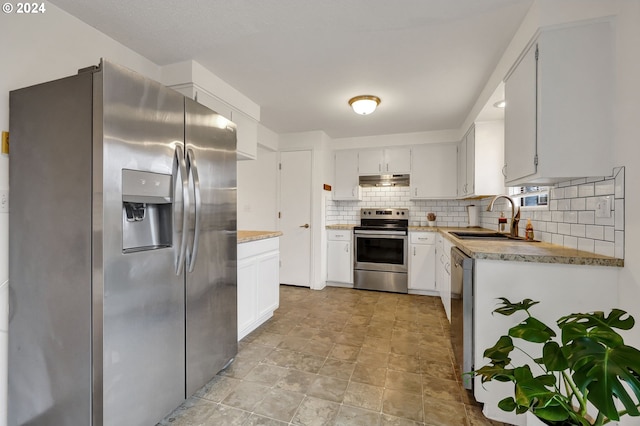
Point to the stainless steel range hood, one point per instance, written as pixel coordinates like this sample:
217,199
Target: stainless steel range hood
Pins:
384,180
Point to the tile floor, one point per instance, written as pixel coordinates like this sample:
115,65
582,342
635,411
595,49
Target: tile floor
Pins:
339,357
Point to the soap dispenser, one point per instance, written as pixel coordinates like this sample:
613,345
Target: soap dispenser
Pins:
502,222
529,230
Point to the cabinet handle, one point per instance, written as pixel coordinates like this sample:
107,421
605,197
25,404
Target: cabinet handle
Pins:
414,251
387,166
379,167
415,191
353,191
504,171
346,248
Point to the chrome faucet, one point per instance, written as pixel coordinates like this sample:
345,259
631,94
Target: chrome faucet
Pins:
515,217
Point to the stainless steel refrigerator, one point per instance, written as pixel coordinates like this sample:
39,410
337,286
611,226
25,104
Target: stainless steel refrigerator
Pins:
122,249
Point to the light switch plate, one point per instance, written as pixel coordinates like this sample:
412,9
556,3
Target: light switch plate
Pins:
603,207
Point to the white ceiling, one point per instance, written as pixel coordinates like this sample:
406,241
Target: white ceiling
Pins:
301,60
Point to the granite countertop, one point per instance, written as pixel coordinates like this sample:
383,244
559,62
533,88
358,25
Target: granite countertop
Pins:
517,251
340,227
246,236
520,251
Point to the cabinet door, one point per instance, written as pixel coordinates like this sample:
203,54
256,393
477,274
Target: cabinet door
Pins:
268,283
422,266
345,186
247,300
462,168
520,118
339,262
470,154
247,134
434,173
397,160
370,162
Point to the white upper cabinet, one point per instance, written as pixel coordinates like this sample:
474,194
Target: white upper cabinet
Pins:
559,106
434,174
247,135
345,185
383,161
480,160
246,127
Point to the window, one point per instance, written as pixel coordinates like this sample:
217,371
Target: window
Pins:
530,196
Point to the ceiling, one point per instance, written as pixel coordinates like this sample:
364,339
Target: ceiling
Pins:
301,60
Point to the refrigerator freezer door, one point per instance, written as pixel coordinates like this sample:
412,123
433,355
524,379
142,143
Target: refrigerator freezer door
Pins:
211,292
142,297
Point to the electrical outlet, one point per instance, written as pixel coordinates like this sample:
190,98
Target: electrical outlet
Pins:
603,207
4,201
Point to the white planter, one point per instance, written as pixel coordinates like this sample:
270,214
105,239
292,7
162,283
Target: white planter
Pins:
431,223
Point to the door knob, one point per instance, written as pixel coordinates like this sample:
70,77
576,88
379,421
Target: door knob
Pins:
306,225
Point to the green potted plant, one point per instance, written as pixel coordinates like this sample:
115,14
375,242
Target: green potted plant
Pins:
590,363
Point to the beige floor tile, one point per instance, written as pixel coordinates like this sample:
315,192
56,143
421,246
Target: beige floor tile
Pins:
352,416
337,368
340,357
369,375
316,412
329,388
279,404
364,396
403,404
345,352
447,390
246,396
444,413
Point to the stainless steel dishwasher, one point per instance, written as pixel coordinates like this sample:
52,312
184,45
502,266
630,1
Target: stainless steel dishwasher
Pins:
462,313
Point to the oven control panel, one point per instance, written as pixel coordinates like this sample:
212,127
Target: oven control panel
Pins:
384,213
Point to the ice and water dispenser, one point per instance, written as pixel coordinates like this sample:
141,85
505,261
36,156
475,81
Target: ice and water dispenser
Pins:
146,211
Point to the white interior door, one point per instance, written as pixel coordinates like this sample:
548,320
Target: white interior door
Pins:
295,218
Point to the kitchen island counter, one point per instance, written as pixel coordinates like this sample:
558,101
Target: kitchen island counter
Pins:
246,236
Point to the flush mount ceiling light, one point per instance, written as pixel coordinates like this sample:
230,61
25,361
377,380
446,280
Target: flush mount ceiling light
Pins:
500,104
364,104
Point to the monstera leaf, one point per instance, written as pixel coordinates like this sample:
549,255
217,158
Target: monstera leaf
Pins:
600,370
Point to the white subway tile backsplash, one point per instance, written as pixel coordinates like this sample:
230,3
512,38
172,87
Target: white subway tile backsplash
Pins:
586,244
571,217
586,217
585,190
606,187
571,192
594,232
604,248
578,204
571,242
570,220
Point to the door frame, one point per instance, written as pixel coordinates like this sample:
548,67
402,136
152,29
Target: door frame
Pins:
312,222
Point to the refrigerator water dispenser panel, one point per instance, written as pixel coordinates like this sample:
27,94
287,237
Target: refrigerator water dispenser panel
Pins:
146,211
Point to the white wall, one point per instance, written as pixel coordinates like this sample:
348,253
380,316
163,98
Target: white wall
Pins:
625,144
35,49
257,192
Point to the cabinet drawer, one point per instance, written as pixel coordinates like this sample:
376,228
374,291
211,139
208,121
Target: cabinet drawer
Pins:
339,235
422,237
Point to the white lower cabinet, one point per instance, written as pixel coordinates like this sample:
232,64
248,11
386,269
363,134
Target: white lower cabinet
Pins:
339,256
443,272
258,283
422,255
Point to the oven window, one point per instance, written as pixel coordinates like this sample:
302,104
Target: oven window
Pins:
380,250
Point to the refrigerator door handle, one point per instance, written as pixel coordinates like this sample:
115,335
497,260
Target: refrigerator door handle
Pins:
193,174
181,186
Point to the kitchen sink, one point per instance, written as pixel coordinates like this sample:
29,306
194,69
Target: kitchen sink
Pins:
488,236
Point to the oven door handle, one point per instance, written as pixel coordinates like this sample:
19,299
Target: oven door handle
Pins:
364,232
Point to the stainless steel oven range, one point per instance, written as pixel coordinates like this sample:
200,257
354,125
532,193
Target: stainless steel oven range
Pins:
381,248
